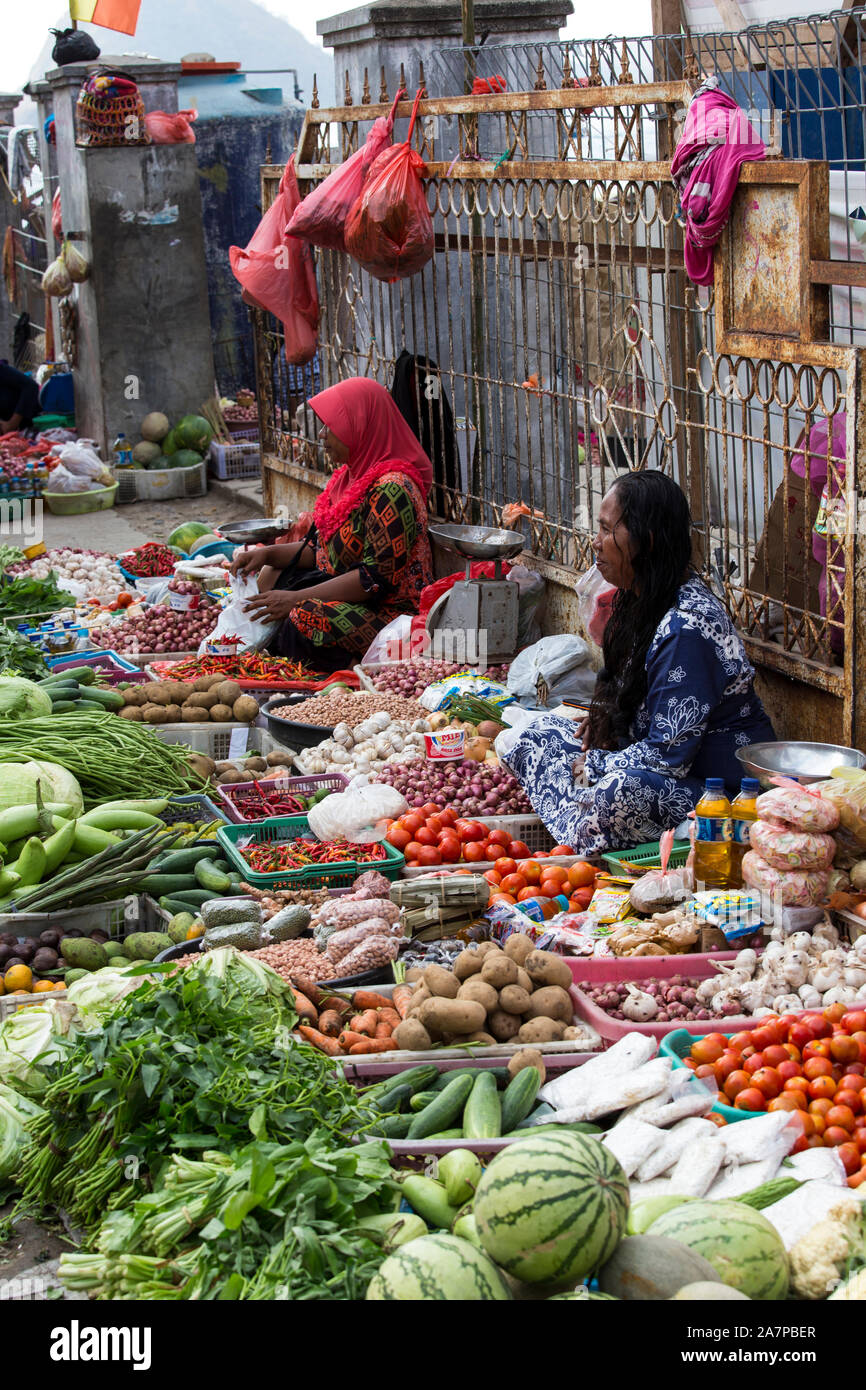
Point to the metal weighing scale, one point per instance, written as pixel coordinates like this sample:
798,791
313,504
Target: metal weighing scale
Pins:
476,606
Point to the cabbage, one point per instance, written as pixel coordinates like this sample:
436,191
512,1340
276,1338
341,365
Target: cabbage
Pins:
16,1112
18,785
249,986
28,1042
97,995
22,699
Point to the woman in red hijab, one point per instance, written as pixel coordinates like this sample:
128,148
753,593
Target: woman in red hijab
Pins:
367,552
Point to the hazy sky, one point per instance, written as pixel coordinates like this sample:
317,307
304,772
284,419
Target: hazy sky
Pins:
25,27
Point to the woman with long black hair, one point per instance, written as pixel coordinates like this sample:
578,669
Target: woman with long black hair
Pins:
673,701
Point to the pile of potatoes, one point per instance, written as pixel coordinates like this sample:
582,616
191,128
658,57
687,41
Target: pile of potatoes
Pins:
516,994
188,702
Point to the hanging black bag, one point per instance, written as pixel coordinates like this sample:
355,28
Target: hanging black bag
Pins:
73,46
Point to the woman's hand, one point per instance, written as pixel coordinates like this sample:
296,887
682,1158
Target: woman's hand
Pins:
577,769
583,733
250,559
273,606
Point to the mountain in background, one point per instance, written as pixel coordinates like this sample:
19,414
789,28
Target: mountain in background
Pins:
231,30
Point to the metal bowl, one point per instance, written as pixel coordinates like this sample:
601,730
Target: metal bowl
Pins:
262,530
804,762
479,542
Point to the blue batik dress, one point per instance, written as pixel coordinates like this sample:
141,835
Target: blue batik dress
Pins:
700,707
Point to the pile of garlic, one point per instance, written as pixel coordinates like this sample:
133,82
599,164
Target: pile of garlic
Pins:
808,970
367,747
85,573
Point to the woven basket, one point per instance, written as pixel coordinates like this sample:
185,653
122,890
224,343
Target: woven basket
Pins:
110,120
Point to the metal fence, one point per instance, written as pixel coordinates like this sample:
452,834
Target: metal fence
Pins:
570,344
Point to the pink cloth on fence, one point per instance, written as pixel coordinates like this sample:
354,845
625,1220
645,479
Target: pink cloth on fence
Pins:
828,484
716,140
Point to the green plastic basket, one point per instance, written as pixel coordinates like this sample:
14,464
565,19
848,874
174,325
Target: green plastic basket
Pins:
677,1045
314,876
646,856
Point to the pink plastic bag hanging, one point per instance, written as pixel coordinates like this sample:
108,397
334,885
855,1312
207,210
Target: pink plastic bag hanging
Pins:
321,217
389,230
277,273
171,127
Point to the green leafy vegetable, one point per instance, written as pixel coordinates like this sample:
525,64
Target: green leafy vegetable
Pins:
18,656
10,555
28,595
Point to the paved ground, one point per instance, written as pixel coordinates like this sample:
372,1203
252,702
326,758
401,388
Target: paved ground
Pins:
121,528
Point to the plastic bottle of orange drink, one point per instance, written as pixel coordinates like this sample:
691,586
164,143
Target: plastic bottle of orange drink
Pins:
713,837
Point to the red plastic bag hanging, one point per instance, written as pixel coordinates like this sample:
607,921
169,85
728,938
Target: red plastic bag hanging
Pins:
321,218
389,230
277,273
171,127
56,217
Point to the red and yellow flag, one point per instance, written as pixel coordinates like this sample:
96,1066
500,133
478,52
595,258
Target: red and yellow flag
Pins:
121,15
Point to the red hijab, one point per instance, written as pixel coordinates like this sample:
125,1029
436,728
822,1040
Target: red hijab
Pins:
364,417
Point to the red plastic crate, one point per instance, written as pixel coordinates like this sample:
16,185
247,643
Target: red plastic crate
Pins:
335,781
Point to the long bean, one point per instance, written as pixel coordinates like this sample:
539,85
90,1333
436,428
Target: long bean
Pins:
109,757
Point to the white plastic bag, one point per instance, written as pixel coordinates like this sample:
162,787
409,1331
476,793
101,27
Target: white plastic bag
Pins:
532,591
390,643
436,695
517,719
361,816
81,460
560,663
594,597
234,622
64,481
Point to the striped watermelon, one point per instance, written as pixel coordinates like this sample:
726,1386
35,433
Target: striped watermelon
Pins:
744,1248
438,1267
583,1295
553,1208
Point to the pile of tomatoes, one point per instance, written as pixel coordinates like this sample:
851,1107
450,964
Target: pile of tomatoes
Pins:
813,1064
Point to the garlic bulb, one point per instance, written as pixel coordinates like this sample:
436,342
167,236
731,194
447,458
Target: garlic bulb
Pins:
784,1003
855,976
639,1007
810,997
842,994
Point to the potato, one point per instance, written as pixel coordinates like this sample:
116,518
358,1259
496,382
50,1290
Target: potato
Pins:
441,982
416,973
172,714
191,714
153,714
233,776
134,696
220,714
541,1030
502,1025
255,764
201,764
280,760
527,1057
202,699
484,946
551,1002
499,970
203,683
225,766
546,969
514,1000
480,1037
178,691
460,1016
156,692
468,963
213,682
523,980
419,997
571,1034
481,992
227,692
245,709
134,712
518,947
412,1035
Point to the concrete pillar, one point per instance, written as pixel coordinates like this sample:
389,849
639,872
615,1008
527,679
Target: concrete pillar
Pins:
8,103
144,335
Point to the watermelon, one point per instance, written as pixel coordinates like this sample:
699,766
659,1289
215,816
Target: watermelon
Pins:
169,444
583,1295
744,1248
147,453
553,1208
438,1267
185,536
193,432
184,458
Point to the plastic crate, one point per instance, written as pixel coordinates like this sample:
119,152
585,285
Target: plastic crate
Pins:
164,484
332,781
108,661
240,459
213,740
116,918
11,1003
646,857
595,970
676,1046
199,807
126,490
340,875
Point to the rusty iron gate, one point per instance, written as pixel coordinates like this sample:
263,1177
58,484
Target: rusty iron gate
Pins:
570,344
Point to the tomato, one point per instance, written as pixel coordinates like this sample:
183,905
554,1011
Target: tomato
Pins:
739,1041
518,850
505,866
766,1034
531,870
822,1088
817,1025
412,822
436,824
788,1070
582,897
750,1099
860,1139
793,1052
817,1066
768,1082
398,838
556,872
850,1156
853,1100
834,1135
528,893
715,1119
841,1115
581,874
820,1107
473,852
775,1055
542,854
834,1013
448,816
818,1047
413,850
705,1071
792,1101
854,1021
425,836
449,848
861,1038
561,849
502,898
512,883
429,855
852,1081
491,852
799,1035
858,1179
687,1062
493,878
806,1122
709,1048
855,1069
499,837
753,1063
462,871
797,1083
728,1062
472,831
430,808
737,1081
800,1144
844,1049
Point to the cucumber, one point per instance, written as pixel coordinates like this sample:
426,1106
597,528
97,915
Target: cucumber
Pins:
443,1110
421,1100
192,899
394,1100
92,705
446,1077
82,675
446,1134
769,1192
176,905
519,1098
180,861
208,876
482,1118
109,698
392,1127
158,884
64,706
427,1197
419,1078
539,1113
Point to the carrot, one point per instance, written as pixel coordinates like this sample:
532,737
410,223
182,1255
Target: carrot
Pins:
305,1008
365,1022
368,999
307,987
328,1045
330,1022
373,1045
383,1030
348,1039
401,999
333,1001
389,1016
